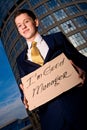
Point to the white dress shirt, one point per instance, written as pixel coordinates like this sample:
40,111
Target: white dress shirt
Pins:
41,45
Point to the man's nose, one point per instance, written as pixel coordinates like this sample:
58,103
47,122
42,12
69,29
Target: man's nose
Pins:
23,26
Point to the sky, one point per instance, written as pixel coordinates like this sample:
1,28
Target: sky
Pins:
11,106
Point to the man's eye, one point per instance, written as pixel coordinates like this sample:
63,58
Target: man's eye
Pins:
26,21
19,26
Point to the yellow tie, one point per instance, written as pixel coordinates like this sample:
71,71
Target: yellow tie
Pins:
35,54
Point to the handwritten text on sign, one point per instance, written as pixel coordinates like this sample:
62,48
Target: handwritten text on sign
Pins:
49,81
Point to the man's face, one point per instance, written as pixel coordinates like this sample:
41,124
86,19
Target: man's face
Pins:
26,26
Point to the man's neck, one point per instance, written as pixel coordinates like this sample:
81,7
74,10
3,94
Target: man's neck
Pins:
32,38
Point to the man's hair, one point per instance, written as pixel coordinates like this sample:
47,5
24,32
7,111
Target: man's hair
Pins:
22,11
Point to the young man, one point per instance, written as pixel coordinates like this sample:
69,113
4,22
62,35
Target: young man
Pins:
67,111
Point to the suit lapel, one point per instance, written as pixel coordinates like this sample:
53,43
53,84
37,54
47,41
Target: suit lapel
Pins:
50,43
24,57
52,53
54,50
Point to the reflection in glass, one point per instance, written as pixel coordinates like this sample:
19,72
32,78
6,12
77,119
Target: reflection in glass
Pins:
59,15
71,10
77,39
47,21
68,26
52,4
80,21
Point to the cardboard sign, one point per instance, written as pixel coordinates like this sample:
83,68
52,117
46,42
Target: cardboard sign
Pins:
49,81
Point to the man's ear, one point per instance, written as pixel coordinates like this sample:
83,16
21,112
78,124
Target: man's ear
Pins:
37,22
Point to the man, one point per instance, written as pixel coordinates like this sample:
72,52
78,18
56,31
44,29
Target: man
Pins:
67,111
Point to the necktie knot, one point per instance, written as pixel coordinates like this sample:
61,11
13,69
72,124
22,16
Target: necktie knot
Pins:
35,54
34,44
34,49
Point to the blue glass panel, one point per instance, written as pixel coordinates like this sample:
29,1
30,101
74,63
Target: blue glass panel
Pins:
34,2
60,14
53,30
40,10
25,6
77,39
65,1
85,33
72,10
52,4
47,21
83,6
68,26
80,21
84,51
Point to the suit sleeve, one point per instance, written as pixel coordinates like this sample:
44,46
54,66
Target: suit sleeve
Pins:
20,73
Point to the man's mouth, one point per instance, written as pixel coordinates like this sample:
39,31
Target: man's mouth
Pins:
26,31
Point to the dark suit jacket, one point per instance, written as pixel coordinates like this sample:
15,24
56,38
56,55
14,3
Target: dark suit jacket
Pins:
66,112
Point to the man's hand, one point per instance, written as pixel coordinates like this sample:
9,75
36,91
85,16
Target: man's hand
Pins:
25,100
82,74
22,87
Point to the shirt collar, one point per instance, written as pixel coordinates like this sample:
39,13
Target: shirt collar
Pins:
37,39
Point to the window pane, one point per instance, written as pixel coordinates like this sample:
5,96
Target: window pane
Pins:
72,10
9,25
80,21
77,39
40,28
83,6
53,30
13,35
47,21
40,10
5,33
8,44
17,46
34,2
65,1
59,15
24,6
68,26
84,51
85,33
52,4
13,54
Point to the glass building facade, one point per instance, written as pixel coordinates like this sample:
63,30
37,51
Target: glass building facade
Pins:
68,16
17,124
